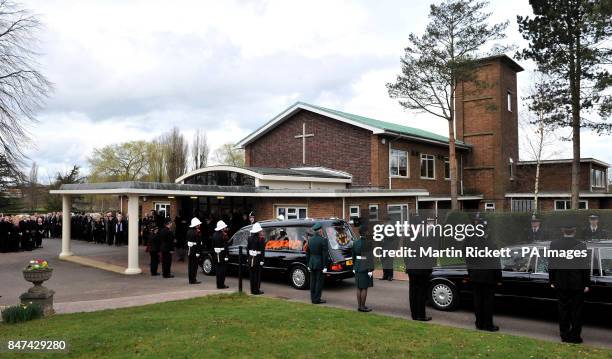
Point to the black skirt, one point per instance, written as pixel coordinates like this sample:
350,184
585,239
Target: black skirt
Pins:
363,280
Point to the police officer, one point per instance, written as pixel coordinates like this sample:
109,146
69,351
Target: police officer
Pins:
167,247
256,247
194,246
484,275
219,242
536,233
571,279
419,270
594,231
155,243
363,266
317,258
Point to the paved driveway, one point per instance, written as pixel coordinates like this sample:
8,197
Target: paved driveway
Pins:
76,283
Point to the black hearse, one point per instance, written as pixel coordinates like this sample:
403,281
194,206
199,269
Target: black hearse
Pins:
524,277
285,253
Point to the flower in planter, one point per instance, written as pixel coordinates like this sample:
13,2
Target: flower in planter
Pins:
37,264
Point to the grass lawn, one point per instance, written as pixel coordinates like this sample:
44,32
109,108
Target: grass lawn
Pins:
227,326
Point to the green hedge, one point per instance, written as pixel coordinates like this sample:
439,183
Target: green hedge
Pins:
508,228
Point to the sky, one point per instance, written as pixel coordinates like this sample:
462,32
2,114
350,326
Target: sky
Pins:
131,70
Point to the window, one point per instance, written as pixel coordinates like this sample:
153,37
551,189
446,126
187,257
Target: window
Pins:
240,238
283,239
509,100
163,209
522,205
398,164
563,204
428,164
397,213
489,206
511,168
353,212
605,256
598,178
516,262
291,212
446,168
373,212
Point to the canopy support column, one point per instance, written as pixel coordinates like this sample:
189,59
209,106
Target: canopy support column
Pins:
133,267
66,219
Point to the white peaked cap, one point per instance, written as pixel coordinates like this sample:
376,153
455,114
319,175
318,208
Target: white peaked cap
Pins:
220,226
256,228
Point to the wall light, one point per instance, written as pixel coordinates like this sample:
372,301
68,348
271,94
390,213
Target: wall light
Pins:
220,197
171,197
194,197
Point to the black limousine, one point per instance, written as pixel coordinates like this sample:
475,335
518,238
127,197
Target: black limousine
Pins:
285,253
524,277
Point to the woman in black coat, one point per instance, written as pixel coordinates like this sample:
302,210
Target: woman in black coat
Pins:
39,232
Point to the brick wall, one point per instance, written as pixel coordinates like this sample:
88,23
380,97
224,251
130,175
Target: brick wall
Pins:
335,145
553,177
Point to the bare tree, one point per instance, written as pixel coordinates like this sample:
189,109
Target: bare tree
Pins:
199,150
538,136
23,88
32,186
155,155
176,151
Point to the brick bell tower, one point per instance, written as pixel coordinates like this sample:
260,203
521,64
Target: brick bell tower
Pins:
487,119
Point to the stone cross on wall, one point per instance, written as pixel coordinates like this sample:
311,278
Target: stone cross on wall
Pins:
303,137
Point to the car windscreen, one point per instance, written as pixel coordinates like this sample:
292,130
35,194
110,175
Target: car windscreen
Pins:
605,256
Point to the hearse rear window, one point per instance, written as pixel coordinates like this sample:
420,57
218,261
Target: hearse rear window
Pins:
285,238
340,236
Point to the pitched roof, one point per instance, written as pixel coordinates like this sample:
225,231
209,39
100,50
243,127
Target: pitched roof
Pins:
376,126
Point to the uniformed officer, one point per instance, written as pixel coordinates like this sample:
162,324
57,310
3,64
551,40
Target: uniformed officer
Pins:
363,266
194,246
484,274
155,244
220,242
166,238
594,231
256,247
571,279
419,270
317,257
536,233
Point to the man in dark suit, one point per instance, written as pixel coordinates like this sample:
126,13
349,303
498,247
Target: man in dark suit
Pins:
317,257
536,233
109,228
154,252
121,229
220,243
571,279
419,270
484,274
256,249
594,231
166,238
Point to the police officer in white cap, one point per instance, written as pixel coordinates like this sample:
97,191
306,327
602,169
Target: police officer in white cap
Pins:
219,242
194,247
256,248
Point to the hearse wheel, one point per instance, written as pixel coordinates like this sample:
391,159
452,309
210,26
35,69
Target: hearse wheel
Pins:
443,296
299,277
208,267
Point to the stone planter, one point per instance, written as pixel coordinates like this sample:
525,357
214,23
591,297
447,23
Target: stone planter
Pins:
39,294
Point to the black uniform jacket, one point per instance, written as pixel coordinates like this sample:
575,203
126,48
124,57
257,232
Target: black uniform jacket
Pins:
256,250
569,274
196,243
482,270
219,244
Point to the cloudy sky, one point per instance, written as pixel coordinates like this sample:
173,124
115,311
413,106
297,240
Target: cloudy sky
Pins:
130,70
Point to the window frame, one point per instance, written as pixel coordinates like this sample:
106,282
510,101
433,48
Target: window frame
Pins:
286,208
167,208
370,206
447,161
568,204
486,204
351,208
427,157
392,153
509,101
594,178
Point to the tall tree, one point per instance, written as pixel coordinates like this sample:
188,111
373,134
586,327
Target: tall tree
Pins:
9,177
569,40
23,88
437,61
120,162
539,138
156,163
32,186
176,152
54,202
227,154
199,150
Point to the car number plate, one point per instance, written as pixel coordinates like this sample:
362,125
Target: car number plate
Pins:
349,263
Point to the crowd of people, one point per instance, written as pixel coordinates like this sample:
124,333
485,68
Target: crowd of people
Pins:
26,232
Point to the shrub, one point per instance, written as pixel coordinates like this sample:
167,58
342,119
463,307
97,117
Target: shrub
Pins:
22,313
